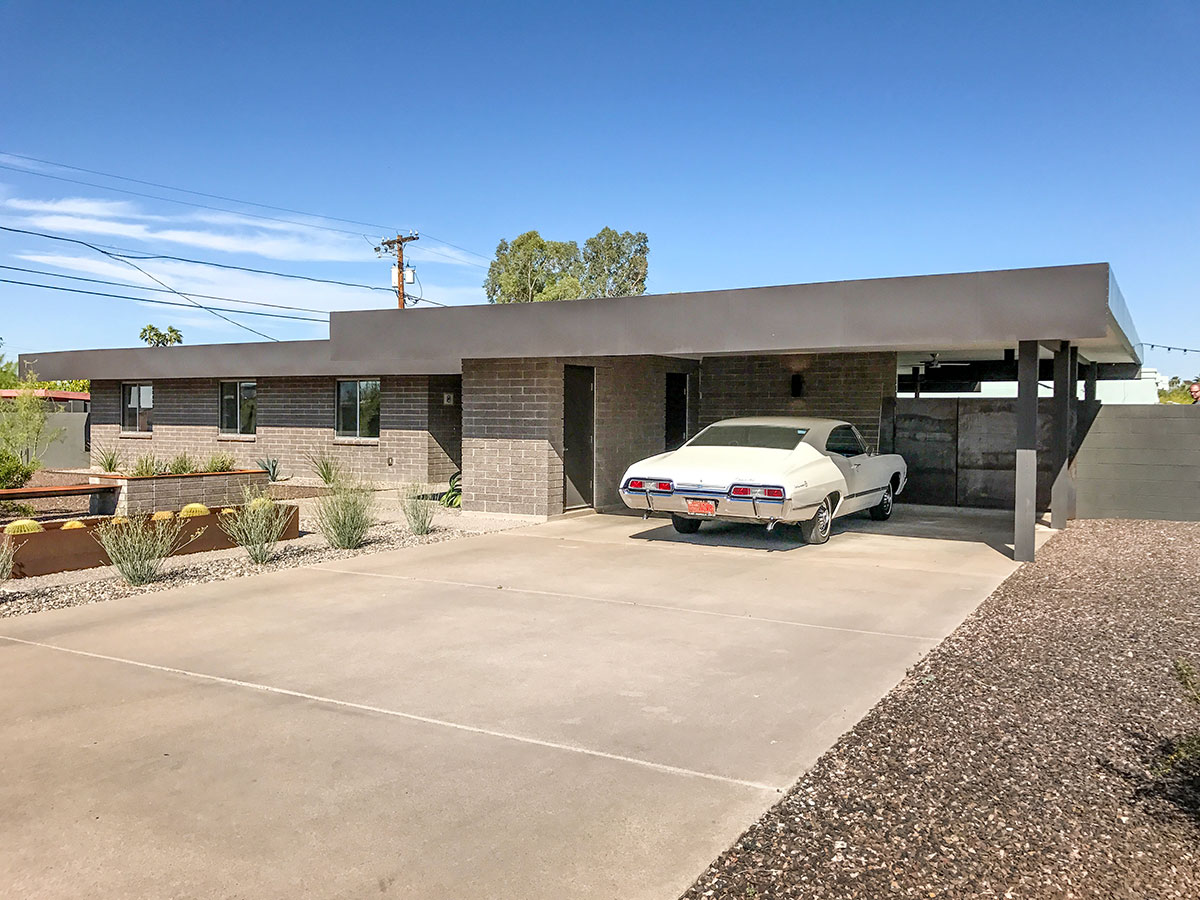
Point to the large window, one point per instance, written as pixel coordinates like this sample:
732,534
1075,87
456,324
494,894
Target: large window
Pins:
137,407
358,409
845,440
766,437
239,407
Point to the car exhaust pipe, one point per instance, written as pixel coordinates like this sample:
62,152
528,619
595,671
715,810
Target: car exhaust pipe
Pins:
771,525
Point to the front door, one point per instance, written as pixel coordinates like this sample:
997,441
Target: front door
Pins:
579,436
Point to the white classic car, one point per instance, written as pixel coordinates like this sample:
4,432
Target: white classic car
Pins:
768,469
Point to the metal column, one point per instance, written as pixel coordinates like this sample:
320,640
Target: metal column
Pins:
1062,493
1089,383
1025,506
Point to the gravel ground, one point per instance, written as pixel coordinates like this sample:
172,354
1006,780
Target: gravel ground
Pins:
22,596
1018,759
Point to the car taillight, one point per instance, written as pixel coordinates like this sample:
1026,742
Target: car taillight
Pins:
773,493
665,486
739,492
636,484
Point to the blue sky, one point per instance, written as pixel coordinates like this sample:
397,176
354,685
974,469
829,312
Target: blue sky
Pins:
755,144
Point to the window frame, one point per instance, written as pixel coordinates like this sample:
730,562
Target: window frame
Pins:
137,428
238,385
356,435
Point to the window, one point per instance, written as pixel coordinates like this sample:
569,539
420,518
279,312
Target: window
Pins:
358,409
137,407
767,437
845,440
239,407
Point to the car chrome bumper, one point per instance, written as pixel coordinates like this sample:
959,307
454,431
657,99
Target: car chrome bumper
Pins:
727,508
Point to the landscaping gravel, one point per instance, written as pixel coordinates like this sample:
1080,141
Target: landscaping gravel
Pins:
1020,757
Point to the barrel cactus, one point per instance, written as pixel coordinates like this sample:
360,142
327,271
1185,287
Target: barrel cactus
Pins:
163,514
23,526
71,525
193,509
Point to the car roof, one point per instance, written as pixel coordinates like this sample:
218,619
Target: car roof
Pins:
818,429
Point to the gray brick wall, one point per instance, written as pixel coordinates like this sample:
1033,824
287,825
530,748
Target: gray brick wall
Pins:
849,386
295,419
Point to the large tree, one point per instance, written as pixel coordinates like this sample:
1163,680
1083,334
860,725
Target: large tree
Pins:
531,268
614,265
8,371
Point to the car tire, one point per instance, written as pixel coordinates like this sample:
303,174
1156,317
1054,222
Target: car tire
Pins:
685,525
817,529
882,510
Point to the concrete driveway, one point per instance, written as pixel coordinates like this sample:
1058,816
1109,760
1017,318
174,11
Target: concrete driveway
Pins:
594,707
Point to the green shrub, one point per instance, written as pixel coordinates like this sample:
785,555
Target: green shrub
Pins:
14,473
221,462
1187,749
138,546
452,499
182,464
344,516
109,459
418,509
257,526
326,467
8,550
272,467
146,465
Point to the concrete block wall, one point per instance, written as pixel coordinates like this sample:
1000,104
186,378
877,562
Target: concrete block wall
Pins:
849,386
140,496
295,418
1140,462
513,428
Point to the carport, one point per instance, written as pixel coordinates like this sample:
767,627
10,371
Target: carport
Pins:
558,398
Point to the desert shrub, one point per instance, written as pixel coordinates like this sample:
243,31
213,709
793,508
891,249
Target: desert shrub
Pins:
138,546
221,462
145,466
453,496
1186,750
272,467
194,509
110,459
418,509
326,467
182,464
344,516
257,526
8,550
14,472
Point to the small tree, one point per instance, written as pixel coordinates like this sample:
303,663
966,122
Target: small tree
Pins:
155,338
8,371
23,428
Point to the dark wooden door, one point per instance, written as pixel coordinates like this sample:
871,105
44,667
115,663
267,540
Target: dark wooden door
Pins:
677,409
579,436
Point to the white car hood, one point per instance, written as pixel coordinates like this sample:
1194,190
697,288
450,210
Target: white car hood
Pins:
717,468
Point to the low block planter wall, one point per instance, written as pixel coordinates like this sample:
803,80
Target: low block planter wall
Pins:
55,550
135,496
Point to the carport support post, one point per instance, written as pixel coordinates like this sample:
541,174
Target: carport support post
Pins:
1063,490
1025,507
1089,383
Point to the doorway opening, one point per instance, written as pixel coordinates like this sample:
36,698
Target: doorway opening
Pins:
579,436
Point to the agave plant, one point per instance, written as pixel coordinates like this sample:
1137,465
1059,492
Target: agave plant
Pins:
453,496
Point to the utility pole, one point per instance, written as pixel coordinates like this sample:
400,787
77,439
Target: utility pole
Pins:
397,243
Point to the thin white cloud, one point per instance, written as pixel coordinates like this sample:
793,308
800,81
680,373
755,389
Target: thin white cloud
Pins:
81,206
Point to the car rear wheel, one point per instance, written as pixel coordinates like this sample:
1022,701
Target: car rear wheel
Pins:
817,529
685,526
883,509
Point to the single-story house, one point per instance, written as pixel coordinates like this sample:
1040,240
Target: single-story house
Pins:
542,406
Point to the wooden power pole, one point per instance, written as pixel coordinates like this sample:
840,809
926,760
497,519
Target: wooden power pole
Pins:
397,243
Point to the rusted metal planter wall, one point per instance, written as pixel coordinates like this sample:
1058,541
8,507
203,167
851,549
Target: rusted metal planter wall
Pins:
56,550
154,493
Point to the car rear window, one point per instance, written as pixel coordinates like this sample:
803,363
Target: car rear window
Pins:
766,437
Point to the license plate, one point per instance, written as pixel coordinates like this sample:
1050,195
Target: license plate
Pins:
702,507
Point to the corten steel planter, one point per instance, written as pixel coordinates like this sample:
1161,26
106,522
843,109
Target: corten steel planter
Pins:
147,494
56,550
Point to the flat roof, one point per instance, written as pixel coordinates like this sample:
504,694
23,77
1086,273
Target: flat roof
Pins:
972,312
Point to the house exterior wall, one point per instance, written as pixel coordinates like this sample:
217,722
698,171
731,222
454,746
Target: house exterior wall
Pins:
513,428
295,418
849,386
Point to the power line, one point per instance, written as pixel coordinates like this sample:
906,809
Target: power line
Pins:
68,240
126,254
237,200
1184,350
139,287
241,312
